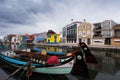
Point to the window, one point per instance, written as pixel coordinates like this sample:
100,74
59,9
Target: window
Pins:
88,32
117,40
84,27
80,33
84,33
49,36
98,41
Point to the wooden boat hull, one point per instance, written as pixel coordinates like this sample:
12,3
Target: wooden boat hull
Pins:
74,63
65,68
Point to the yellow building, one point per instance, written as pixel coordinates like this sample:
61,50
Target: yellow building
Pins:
53,38
53,49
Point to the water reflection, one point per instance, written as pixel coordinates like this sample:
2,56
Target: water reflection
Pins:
16,46
108,67
54,49
108,64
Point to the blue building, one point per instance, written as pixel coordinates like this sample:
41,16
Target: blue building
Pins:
40,37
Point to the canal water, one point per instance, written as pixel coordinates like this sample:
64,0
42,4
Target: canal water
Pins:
108,67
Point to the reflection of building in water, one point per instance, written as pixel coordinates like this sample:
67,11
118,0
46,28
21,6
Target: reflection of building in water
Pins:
108,65
53,49
93,67
117,63
93,72
14,46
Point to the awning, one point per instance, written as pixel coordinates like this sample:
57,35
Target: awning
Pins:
40,39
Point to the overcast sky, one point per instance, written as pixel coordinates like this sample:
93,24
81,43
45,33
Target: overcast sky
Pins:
35,16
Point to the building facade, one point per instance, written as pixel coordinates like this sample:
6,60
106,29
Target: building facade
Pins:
53,38
103,32
85,32
97,34
70,33
115,40
29,38
64,36
40,37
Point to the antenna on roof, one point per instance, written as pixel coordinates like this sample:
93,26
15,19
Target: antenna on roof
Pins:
71,19
84,20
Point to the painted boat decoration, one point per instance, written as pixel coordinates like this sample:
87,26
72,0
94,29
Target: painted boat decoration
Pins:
41,63
73,62
89,57
80,66
35,49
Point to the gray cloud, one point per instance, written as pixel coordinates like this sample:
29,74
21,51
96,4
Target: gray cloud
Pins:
22,11
40,15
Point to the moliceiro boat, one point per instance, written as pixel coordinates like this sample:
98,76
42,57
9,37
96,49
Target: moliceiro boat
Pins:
48,64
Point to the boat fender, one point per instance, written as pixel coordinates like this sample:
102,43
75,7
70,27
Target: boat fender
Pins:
29,71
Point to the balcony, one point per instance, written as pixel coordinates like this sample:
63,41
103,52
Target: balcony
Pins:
97,28
97,35
116,27
116,36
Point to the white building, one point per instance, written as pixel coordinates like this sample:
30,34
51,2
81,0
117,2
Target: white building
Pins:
70,33
85,32
103,32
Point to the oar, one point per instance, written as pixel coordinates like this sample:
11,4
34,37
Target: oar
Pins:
16,71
